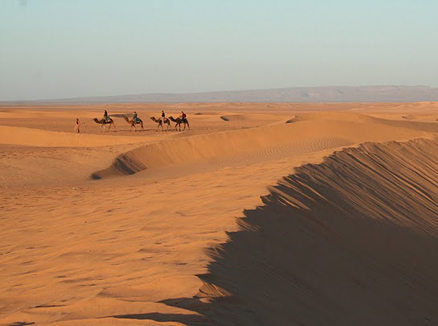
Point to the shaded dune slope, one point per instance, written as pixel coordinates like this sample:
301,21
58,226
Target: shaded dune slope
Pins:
350,241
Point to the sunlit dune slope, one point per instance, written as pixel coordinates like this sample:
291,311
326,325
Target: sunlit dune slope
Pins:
361,118
36,137
307,133
351,241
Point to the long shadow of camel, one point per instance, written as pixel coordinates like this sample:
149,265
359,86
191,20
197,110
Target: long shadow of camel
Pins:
351,241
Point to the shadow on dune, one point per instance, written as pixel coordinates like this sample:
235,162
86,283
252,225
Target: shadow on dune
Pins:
187,319
120,166
351,241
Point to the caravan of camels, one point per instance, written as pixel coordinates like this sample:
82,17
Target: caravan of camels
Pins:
182,119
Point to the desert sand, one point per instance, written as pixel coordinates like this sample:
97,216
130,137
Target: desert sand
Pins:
260,214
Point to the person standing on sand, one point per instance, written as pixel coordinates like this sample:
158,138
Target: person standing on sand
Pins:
78,126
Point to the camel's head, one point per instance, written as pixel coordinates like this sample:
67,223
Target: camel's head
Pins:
95,120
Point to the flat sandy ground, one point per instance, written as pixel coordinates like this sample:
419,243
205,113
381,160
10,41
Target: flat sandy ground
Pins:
260,214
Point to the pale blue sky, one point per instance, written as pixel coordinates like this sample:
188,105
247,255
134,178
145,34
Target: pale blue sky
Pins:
69,48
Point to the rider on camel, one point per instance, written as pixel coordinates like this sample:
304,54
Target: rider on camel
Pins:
105,116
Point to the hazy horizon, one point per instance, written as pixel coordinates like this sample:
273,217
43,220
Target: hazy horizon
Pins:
67,49
329,94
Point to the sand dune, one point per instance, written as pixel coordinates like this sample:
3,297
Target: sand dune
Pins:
308,133
346,237
362,118
351,241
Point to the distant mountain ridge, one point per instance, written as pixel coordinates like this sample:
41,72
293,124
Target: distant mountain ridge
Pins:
384,93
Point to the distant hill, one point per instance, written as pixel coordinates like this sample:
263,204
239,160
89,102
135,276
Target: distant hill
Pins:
279,95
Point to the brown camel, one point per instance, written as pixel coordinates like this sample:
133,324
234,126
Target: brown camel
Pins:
103,122
133,123
160,122
178,122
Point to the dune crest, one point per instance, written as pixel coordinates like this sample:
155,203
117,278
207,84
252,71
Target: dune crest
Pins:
304,133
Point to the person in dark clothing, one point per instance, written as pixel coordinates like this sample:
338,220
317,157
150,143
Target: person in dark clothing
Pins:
105,116
78,126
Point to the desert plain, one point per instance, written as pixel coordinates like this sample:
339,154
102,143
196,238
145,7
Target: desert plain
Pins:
260,214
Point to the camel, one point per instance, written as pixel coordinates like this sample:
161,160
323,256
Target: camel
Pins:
178,122
160,122
102,122
133,123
